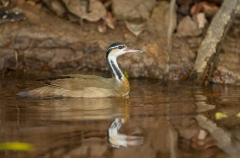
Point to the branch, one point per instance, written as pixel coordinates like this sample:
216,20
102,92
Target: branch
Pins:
211,42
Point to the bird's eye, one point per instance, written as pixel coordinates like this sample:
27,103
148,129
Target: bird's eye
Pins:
120,47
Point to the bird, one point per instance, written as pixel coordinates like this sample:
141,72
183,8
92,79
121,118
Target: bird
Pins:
88,86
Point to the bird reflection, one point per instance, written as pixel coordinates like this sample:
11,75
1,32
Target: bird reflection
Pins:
118,140
83,109
93,110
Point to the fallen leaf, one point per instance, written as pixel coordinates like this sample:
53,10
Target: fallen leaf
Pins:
17,146
96,11
108,19
209,9
201,20
188,27
58,8
5,3
76,7
135,27
132,9
102,28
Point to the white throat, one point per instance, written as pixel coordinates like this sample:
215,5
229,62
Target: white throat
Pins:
116,72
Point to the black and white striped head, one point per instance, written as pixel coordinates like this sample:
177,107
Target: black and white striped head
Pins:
117,49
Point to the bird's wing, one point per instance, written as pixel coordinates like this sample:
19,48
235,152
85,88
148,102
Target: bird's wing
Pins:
79,82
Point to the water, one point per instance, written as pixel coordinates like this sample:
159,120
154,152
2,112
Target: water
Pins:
177,120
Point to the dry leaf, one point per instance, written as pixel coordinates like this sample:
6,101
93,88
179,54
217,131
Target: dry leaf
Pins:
58,8
135,27
76,7
209,9
5,3
132,9
102,28
201,20
108,19
188,27
97,11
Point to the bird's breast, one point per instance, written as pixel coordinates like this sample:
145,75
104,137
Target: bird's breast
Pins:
124,88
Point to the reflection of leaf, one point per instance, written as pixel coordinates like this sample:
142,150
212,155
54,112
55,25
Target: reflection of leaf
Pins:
238,114
19,146
220,115
135,27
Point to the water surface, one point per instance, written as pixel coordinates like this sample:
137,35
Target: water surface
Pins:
175,120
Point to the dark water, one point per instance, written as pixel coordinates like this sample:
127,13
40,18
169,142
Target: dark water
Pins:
177,120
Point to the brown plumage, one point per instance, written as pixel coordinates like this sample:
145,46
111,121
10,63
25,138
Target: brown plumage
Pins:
88,86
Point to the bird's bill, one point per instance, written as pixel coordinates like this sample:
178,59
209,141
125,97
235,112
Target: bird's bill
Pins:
130,49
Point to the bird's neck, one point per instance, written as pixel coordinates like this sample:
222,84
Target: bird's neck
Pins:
116,72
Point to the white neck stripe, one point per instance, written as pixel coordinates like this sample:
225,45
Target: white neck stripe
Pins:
115,69
112,47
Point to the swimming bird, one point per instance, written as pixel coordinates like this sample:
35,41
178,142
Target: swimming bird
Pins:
88,86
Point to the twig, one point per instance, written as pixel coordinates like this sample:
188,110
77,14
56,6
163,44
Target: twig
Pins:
16,58
169,38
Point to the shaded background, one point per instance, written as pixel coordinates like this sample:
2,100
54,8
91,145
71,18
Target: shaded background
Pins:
55,34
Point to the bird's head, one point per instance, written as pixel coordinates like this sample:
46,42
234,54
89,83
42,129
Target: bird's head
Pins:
117,49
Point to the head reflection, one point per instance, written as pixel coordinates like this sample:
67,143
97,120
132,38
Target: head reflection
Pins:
118,140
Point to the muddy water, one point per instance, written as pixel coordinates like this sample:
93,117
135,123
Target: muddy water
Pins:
177,120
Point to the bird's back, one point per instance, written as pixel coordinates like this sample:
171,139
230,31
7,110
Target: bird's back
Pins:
76,85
